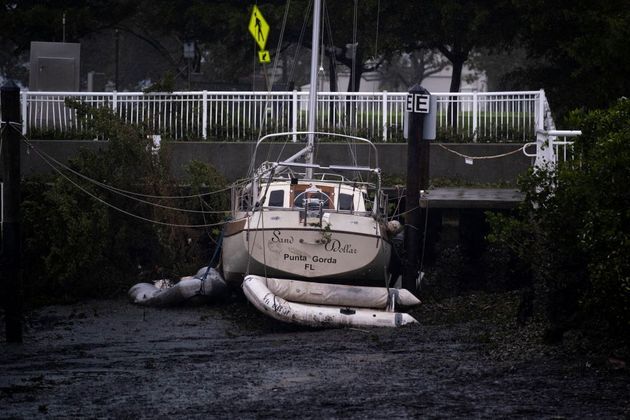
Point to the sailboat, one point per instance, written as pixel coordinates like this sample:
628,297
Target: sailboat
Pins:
309,244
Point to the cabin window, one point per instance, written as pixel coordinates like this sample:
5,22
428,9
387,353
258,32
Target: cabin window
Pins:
276,198
346,202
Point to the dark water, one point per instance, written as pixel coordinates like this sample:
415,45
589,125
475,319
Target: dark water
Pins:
115,360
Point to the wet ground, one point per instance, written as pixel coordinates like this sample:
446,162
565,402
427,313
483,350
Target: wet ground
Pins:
116,360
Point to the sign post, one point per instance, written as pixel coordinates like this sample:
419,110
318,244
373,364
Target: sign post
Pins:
418,131
11,285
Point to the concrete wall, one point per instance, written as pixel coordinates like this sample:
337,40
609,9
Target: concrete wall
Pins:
232,159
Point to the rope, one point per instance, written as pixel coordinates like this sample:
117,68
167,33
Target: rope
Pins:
520,149
378,17
95,197
119,191
424,237
210,264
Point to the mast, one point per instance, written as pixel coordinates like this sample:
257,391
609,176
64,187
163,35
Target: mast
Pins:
312,96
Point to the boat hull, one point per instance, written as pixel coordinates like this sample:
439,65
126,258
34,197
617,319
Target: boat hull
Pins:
350,251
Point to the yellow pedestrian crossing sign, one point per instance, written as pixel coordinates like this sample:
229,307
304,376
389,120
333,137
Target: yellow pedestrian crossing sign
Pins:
259,28
264,57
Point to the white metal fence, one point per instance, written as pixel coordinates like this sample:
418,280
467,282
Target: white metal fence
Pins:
243,116
551,147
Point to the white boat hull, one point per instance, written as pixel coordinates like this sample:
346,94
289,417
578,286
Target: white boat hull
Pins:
269,244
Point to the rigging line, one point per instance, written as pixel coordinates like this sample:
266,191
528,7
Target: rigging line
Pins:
354,42
32,146
405,212
274,68
378,18
300,39
107,187
424,238
333,59
333,55
122,210
2,129
201,204
321,49
276,59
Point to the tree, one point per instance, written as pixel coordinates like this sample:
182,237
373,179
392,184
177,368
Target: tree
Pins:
404,70
150,32
577,51
453,27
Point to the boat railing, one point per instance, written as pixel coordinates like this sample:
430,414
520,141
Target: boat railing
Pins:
309,148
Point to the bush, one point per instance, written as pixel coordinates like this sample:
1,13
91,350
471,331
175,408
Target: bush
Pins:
574,227
85,240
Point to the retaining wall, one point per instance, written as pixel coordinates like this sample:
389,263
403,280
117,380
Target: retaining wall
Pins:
232,159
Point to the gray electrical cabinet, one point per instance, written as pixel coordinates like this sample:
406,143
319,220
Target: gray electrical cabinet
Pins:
55,66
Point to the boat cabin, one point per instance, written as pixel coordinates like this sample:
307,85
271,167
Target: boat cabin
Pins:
327,195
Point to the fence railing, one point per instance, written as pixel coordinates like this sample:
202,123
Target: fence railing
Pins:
235,116
551,147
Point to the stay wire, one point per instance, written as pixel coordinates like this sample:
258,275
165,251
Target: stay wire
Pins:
122,210
122,192
424,237
300,39
95,197
378,18
273,73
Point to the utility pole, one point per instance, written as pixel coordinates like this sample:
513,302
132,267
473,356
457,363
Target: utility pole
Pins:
116,58
419,131
11,252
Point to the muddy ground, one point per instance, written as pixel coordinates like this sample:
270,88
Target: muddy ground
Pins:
112,359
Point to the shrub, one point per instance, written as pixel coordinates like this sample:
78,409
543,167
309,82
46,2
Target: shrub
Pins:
574,227
81,239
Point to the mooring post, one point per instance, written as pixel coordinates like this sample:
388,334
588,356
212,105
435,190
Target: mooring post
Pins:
418,106
10,257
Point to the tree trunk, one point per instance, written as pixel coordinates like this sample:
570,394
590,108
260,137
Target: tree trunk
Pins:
456,81
332,71
354,84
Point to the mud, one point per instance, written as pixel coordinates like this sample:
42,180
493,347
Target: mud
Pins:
115,360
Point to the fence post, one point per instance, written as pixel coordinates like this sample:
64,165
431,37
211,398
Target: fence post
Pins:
24,98
204,115
384,113
114,101
418,159
475,116
294,114
540,115
11,283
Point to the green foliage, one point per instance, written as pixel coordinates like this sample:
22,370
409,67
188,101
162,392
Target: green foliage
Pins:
165,84
574,227
85,240
576,50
